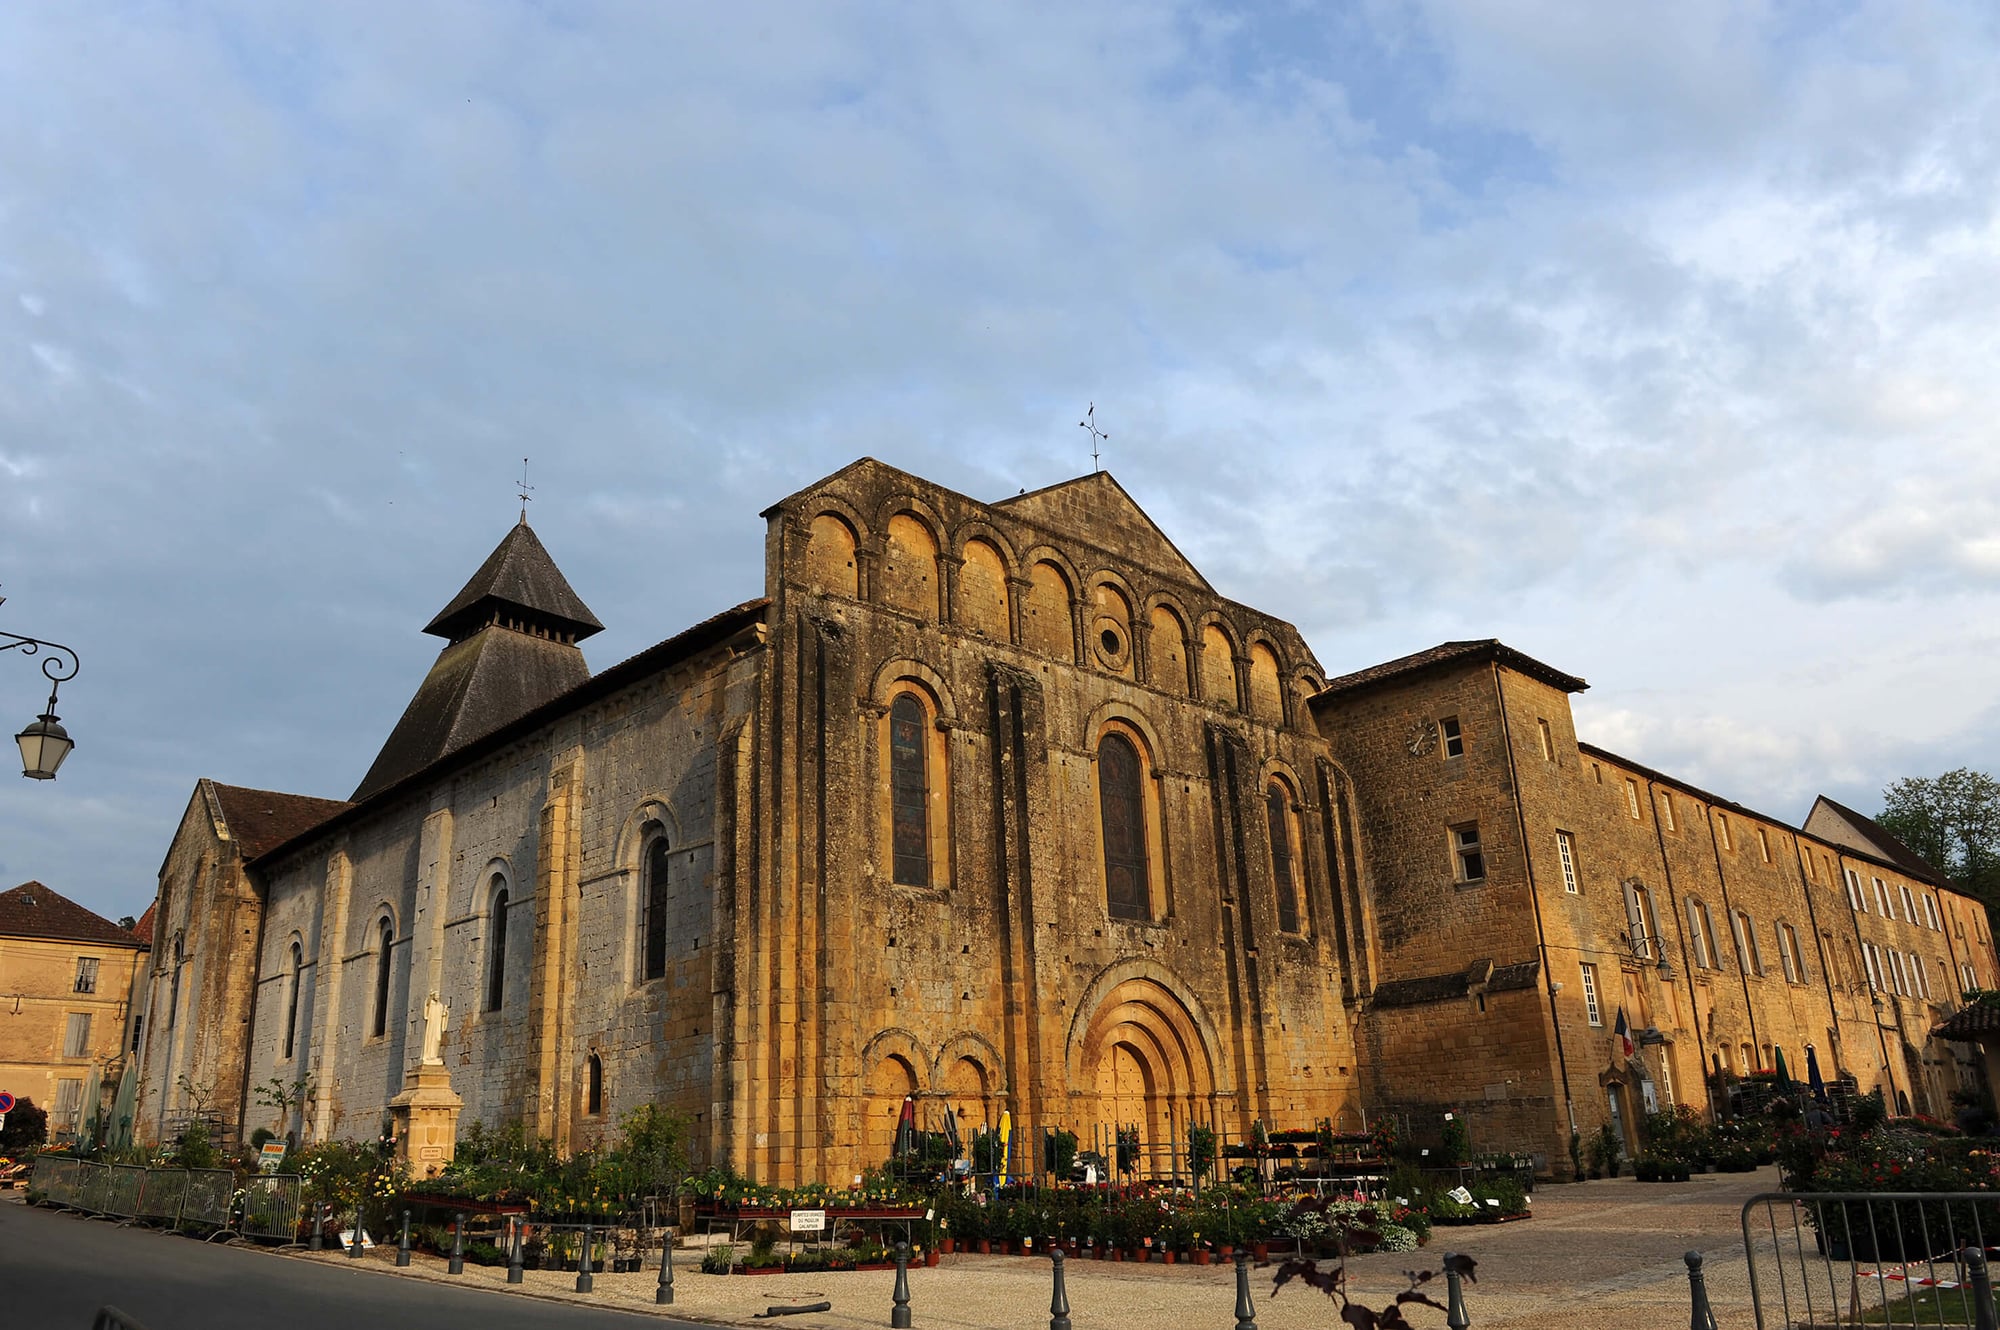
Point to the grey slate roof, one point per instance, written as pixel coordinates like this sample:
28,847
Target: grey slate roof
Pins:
518,575
476,686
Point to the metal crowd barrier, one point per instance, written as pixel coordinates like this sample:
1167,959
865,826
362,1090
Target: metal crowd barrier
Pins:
271,1207
1847,1258
94,1183
161,1194
121,1192
211,1194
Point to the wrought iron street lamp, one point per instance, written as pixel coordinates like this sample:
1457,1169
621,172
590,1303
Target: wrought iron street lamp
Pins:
44,743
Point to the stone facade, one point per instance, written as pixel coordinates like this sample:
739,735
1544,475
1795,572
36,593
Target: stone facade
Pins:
1002,807
67,978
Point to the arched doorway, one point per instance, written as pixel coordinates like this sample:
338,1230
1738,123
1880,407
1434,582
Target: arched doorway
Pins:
1143,1062
966,1091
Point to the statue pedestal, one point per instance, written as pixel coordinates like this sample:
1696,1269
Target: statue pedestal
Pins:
426,1118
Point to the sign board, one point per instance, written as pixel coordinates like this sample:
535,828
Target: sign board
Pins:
272,1155
808,1221
6,1102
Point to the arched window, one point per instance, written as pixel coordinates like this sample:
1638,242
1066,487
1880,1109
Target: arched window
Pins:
496,955
655,931
1122,808
593,1103
1278,813
909,791
387,935
292,1000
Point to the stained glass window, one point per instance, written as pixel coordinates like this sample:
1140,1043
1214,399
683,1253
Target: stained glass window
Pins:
1122,806
909,791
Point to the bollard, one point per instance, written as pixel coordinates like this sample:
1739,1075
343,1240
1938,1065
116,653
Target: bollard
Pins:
518,1232
1246,1310
1982,1289
456,1265
1059,1300
899,1314
663,1296
354,1247
1454,1296
317,1242
584,1283
1700,1315
403,1243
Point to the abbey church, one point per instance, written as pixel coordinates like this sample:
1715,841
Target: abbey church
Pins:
1002,806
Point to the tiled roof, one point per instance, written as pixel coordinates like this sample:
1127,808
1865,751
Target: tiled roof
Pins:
520,575
261,819
33,910
660,656
1979,1021
1451,653
1889,845
143,930
1430,988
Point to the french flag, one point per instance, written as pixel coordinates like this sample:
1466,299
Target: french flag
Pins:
1624,1033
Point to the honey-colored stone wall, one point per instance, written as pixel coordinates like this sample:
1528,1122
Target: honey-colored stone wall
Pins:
39,979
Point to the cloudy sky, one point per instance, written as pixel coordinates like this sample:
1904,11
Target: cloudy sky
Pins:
1657,341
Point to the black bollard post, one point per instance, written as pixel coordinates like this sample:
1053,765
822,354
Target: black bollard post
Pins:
584,1283
1059,1300
1982,1289
354,1247
403,1242
1454,1296
516,1230
899,1314
1700,1315
663,1296
1246,1310
456,1265
317,1242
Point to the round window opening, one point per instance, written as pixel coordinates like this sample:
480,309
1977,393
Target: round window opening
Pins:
1112,644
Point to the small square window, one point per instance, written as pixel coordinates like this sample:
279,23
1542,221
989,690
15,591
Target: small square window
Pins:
1632,798
1468,859
1451,739
76,1035
86,974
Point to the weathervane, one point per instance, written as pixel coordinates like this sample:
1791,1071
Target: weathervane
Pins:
1097,435
525,487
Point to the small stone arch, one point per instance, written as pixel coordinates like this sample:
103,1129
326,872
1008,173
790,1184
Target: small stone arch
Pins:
832,505
894,1067
896,1040
911,577
1110,618
1143,1053
973,1104
978,528
1216,648
649,811
1115,709
1267,673
908,503
1048,607
906,669
983,593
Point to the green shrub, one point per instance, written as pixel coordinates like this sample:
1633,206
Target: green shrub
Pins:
718,1259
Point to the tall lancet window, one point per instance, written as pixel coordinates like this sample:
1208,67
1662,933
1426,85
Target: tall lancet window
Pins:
1122,808
386,936
292,1000
657,856
1278,812
909,791
496,956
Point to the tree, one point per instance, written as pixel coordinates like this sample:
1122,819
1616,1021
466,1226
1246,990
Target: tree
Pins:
27,1127
1953,822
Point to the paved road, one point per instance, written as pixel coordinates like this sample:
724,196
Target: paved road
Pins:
56,1270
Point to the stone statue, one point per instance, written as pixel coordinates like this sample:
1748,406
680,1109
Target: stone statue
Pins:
436,1015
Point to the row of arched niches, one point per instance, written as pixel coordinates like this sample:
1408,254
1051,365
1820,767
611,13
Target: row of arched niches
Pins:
1031,600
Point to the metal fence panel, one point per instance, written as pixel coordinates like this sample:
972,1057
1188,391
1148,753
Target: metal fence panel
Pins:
210,1192
271,1207
92,1182
121,1193
52,1176
160,1196
1844,1258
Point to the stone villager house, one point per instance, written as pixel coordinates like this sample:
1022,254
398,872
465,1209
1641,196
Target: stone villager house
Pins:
1004,806
66,993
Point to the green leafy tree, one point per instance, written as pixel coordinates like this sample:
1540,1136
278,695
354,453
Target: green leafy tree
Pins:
1952,821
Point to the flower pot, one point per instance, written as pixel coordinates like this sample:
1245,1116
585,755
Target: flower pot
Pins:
930,1257
1166,1257
1226,1250
1114,1255
1260,1252
947,1245
984,1246
1201,1256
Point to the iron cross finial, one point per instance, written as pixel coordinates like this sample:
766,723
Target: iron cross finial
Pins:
525,487
1097,435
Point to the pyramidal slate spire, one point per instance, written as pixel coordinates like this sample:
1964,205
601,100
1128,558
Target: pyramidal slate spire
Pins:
511,639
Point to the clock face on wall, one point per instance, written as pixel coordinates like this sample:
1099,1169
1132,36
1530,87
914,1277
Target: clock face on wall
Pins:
1422,738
